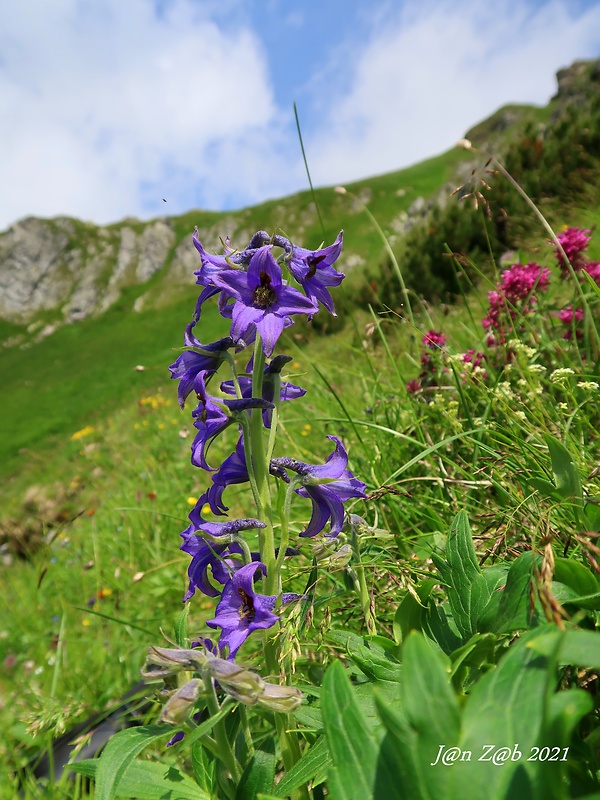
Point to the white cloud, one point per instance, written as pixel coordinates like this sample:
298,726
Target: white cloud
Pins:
427,74
106,108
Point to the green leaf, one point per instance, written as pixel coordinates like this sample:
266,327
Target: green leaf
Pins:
87,767
468,591
575,575
310,717
495,578
125,745
575,647
595,288
148,780
181,626
370,657
565,473
204,766
427,715
565,711
592,514
440,628
120,751
313,766
514,609
544,487
475,652
505,708
567,596
353,746
259,774
410,612
430,707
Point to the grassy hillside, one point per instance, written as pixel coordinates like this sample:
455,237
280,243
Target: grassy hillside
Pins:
56,386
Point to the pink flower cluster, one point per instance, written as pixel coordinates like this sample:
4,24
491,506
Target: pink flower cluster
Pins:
431,368
513,295
434,339
569,316
476,358
574,242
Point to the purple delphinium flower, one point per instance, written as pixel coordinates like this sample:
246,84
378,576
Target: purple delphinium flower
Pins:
232,470
287,391
328,485
190,363
211,266
210,419
241,611
211,554
262,302
222,559
313,271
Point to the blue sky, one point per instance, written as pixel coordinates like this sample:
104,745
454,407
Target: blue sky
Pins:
107,106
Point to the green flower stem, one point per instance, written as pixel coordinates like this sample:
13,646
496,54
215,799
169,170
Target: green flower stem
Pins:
225,752
285,527
234,375
274,416
245,549
285,724
360,582
260,467
245,423
246,730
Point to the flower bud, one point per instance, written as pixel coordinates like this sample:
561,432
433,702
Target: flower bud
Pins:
179,706
283,699
240,683
328,555
163,661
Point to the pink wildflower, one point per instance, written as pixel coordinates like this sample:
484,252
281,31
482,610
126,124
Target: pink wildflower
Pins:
434,339
574,241
472,357
569,317
413,386
513,294
593,270
520,280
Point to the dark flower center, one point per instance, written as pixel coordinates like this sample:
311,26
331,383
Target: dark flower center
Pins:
313,262
247,607
264,295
